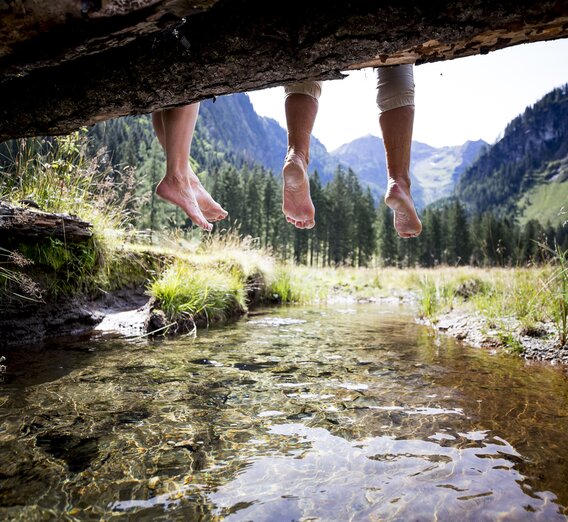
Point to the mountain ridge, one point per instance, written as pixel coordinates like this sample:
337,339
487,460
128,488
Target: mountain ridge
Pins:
532,154
231,124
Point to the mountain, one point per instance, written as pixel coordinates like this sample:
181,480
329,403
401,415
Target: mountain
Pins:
525,174
433,171
229,131
230,124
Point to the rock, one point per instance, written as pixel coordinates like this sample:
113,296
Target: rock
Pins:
28,322
469,288
156,322
153,483
65,64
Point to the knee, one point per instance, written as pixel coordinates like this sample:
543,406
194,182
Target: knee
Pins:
395,87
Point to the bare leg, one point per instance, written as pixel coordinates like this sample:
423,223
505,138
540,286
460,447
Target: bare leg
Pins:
396,126
301,111
174,129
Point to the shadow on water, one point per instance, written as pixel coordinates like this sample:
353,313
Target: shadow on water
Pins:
295,414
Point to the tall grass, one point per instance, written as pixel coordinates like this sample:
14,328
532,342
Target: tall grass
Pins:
13,283
58,176
183,291
435,296
556,290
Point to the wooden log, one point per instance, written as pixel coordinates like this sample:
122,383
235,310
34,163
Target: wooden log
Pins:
25,223
65,63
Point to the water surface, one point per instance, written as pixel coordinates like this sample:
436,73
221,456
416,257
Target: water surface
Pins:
352,413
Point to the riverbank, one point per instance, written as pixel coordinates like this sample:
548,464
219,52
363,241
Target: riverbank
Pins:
523,311
50,288
539,343
178,286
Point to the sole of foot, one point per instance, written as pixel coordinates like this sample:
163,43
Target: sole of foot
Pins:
297,203
406,220
210,209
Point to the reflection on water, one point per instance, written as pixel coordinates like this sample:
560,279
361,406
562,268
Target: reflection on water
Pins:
299,414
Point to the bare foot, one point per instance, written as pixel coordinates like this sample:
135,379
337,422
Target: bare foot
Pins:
297,203
211,210
406,221
177,190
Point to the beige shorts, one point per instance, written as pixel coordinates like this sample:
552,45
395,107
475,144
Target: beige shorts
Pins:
312,89
395,87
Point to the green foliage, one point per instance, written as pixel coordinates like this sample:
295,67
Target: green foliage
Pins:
281,287
533,143
556,290
511,344
435,296
184,291
58,176
428,300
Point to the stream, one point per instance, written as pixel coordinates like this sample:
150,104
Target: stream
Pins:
351,412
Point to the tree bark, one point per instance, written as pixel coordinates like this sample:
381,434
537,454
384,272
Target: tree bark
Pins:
25,224
99,59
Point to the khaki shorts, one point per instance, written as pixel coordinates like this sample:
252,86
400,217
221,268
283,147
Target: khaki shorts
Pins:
312,89
395,87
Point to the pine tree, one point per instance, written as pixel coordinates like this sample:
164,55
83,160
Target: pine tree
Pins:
457,239
340,220
388,247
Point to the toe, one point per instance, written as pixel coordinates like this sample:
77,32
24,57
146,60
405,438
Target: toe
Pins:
205,225
309,224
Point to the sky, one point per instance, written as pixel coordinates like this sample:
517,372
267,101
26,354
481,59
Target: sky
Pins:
457,100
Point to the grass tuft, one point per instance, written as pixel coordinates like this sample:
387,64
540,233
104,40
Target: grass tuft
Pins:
183,291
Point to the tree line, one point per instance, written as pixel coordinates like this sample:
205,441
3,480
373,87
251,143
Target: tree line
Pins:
350,228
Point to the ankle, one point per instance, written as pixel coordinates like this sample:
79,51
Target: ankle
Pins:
402,182
294,154
175,175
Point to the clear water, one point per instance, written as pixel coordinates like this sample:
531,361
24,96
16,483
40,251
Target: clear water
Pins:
343,414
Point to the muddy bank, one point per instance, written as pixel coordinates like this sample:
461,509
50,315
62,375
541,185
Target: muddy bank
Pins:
539,343
129,312
26,322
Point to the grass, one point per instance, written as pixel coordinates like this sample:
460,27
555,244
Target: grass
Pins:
545,202
184,292
212,281
528,296
556,291
58,176
208,280
215,278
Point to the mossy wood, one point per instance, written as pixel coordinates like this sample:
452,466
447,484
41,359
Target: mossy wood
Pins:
20,222
65,63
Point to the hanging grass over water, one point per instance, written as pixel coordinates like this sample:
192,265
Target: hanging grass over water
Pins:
183,291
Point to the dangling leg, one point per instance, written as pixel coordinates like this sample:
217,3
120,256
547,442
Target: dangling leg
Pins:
174,129
301,106
396,103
